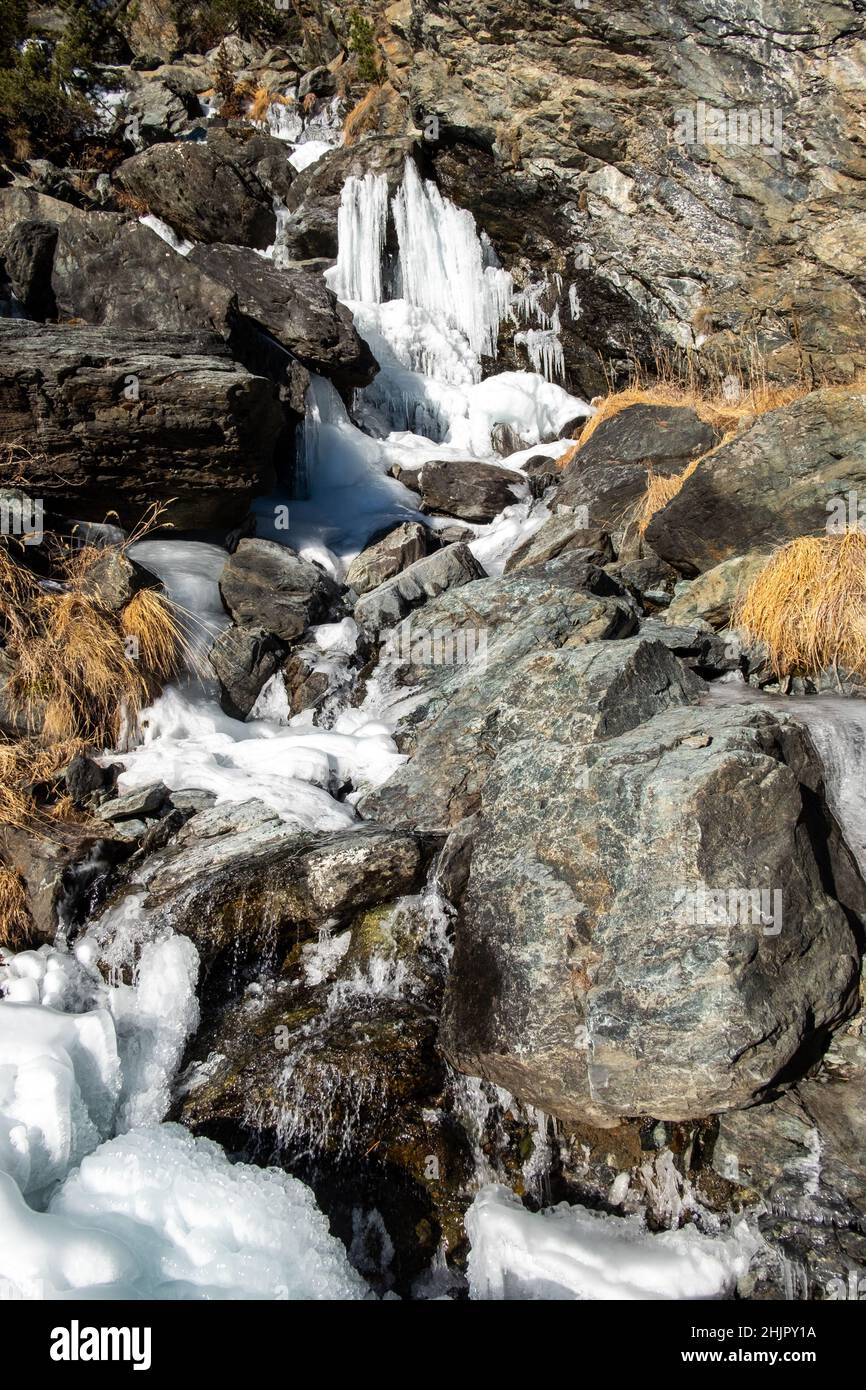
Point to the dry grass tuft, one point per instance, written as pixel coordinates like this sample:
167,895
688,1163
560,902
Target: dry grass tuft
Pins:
659,491
364,116
262,99
16,927
807,608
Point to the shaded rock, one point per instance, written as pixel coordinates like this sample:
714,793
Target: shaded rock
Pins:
221,190
244,659
584,979
295,308
123,420
708,652
468,489
649,579
444,569
560,534
253,883
387,557
27,251
314,197
84,776
775,481
269,586
608,475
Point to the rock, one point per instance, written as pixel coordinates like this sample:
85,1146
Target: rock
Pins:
708,652
124,419
136,804
295,308
542,472
586,978
649,579
314,197
158,108
27,251
114,579
711,597
221,190
43,863
608,475
387,557
247,885
84,776
193,800
468,489
244,659
801,1155
151,29
773,482
444,569
269,586
573,695
560,534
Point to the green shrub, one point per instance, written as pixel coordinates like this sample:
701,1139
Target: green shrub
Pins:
362,42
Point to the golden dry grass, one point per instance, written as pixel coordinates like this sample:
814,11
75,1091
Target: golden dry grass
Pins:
807,607
659,491
364,116
78,675
715,410
15,924
262,99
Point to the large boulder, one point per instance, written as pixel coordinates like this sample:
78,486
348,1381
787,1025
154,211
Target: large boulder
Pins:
610,958
557,536
244,659
118,420
775,481
295,308
269,586
27,252
608,475
468,489
221,190
711,597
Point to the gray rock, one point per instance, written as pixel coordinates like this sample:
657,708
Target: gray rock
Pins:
773,482
295,308
468,489
126,419
249,884
114,579
579,981
136,804
269,586
608,476
192,799
710,598
27,252
221,190
444,569
560,534
387,557
244,659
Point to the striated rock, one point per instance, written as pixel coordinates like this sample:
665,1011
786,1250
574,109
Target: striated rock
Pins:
468,489
573,694
444,569
250,880
587,978
387,557
120,420
137,804
295,308
608,475
775,481
269,586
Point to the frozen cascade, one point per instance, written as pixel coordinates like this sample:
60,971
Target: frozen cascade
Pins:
361,225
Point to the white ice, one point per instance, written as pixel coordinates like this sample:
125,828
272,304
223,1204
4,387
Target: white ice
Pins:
569,1252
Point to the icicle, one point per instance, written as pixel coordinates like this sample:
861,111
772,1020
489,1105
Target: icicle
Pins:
361,225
